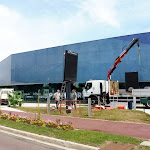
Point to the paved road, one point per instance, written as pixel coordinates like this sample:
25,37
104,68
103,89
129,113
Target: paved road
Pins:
11,143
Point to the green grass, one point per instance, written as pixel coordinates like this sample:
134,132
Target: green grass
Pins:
114,114
80,136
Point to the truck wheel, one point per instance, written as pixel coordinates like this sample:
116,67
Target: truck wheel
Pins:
94,100
148,103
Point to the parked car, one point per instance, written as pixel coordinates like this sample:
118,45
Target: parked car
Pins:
4,95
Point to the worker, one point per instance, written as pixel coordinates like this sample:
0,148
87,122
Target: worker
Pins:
74,95
57,98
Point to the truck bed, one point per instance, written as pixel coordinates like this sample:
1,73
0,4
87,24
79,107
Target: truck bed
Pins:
123,96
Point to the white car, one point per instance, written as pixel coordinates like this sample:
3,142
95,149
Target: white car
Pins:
4,95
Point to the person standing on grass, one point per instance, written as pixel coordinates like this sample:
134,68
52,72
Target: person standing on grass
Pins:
57,98
74,98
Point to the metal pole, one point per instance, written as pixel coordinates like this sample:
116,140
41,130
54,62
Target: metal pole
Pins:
38,104
89,107
68,92
48,105
98,100
79,106
60,107
0,98
134,102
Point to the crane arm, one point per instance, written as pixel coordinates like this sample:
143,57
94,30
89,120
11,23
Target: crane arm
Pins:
119,58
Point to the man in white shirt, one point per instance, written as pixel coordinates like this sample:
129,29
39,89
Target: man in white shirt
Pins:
74,98
57,98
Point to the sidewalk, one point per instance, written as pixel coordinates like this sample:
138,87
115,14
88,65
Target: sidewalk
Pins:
114,127
45,105
6,108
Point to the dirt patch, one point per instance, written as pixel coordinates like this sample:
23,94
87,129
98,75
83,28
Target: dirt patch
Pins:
114,146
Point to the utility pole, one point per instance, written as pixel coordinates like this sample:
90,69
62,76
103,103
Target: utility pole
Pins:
68,92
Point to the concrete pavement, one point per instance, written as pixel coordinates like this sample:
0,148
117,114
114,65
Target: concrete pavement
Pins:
145,143
45,105
8,142
5,107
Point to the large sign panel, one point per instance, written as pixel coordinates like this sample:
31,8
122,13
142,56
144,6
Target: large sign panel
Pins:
71,63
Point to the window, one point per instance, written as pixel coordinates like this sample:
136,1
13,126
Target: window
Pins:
4,92
88,86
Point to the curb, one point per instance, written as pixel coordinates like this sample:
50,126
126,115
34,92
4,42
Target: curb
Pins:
145,143
46,139
37,142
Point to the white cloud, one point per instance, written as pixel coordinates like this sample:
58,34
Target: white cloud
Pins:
8,19
18,34
101,11
91,19
8,23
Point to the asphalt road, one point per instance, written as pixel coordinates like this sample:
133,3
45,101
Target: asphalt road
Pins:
11,143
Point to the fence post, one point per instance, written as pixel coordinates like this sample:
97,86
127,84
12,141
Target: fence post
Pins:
48,105
60,107
89,107
98,100
38,104
134,102
68,91
79,106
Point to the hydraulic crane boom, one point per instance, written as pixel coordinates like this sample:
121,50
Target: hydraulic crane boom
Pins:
119,58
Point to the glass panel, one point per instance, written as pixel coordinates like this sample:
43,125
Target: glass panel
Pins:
88,86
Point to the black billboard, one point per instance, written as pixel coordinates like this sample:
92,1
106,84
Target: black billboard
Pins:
71,63
131,79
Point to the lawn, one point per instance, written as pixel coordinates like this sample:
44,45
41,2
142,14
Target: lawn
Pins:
114,114
80,136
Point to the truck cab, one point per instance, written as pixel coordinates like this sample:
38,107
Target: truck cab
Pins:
95,88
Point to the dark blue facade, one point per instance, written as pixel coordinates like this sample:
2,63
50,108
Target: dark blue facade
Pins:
95,60
40,66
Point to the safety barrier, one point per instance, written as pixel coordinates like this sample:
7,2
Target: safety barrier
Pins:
75,105
80,106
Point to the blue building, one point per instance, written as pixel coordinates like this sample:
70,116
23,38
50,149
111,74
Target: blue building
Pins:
95,58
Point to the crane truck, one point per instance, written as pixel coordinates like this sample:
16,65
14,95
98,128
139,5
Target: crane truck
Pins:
108,90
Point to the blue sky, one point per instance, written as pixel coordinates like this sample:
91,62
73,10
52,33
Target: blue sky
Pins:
34,24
